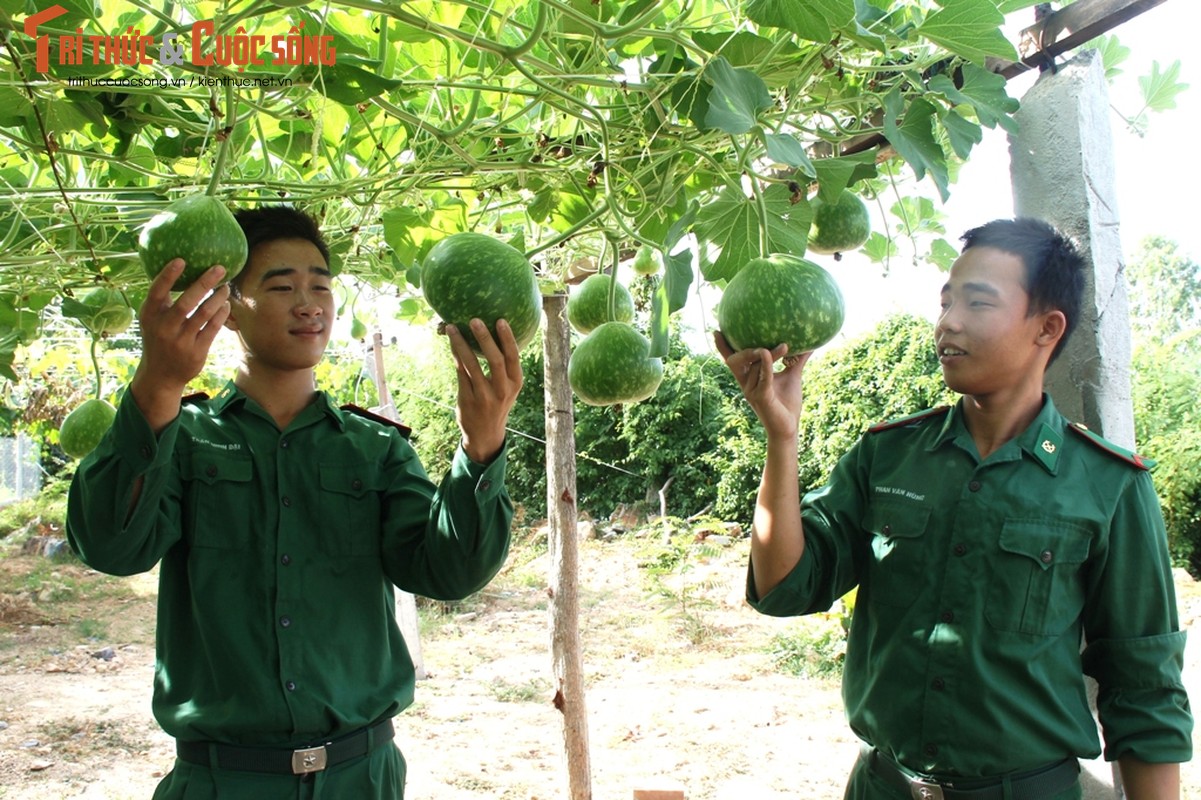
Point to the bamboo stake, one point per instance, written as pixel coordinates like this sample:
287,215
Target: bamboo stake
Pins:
564,607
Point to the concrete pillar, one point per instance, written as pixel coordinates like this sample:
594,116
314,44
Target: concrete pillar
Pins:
1063,172
1062,165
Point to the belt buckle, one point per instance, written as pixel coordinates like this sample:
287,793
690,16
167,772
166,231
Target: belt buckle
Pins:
923,790
308,759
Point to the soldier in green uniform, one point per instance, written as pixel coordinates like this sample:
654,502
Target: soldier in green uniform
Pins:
281,524
988,541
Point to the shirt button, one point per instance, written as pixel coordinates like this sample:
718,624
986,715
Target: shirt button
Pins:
485,485
886,530
285,559
290,686
947,616
287,501
146,451
1046,557
939,684
974,486
960,549
356,484
284,443
930,750
211,470
285,621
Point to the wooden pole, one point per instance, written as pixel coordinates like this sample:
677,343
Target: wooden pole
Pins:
406,604
566,659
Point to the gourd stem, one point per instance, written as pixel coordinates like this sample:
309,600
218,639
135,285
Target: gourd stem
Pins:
223,148
96,364
612,315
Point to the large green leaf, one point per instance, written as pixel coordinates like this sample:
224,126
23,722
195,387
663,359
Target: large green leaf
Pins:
737,98
836,174
814,20
1160,88
913,138
984,91
729,229
786,149
969,28
962,133
348,84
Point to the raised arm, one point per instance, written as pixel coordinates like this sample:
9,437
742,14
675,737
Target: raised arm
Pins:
777,540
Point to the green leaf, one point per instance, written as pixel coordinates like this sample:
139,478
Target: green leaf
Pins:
660,332
347,84
1009,6
679,229
1160,88
969,28
409,233
942,254
8,353
784,148
570,209
737,98
814,20
879,248
913,138
741,49
836,174
917,215
728,229
963,134
19,320
985,92
1112,53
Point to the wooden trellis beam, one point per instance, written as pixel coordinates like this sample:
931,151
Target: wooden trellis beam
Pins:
1041,43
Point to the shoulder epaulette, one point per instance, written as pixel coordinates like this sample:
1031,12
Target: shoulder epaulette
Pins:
405,430
909,420
1120,453
195,397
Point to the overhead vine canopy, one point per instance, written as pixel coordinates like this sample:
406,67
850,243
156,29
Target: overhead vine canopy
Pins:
566,127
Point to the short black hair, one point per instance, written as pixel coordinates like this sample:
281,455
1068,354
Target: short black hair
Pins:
1054,267
275,222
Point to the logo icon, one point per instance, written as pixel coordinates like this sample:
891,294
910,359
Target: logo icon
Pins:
43,42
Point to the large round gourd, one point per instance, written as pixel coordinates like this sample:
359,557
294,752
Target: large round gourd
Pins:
200,230
781,299
588,305
613,365
471,275
84,427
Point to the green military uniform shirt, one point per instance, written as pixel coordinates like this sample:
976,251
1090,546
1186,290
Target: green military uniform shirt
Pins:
279,551
977,580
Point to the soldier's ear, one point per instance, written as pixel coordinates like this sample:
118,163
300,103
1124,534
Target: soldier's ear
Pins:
1054,325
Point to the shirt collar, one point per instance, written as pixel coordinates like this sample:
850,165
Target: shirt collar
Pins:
1042,440
231,396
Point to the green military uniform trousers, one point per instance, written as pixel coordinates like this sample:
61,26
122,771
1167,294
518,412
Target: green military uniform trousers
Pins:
379,774
867,785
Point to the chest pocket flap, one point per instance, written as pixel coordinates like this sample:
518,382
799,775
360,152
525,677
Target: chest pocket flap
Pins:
896,569
1036,586
350,508
218,481
214,466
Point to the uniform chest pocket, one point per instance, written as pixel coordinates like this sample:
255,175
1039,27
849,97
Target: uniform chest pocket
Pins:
896,571
350,509
218,484
1036,585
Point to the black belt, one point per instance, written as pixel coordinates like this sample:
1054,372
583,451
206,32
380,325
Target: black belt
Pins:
300,761
1037,784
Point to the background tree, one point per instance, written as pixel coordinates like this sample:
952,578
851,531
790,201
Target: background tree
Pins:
1165,302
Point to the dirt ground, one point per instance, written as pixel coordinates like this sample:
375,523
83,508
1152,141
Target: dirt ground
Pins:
682,688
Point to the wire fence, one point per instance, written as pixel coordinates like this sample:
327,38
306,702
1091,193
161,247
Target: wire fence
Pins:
20,469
